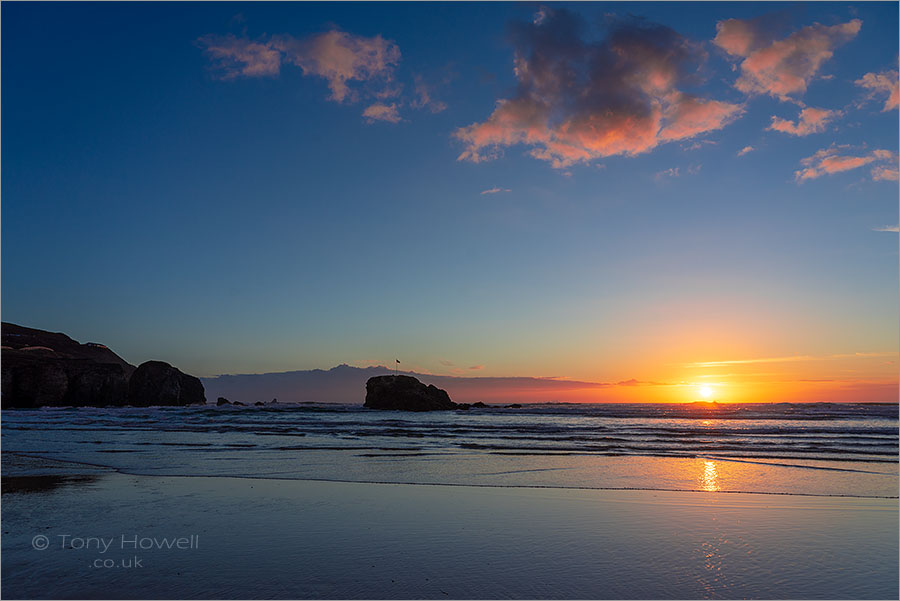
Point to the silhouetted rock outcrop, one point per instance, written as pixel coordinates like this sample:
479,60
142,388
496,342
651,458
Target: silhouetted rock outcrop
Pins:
158,383
50,369
222,401
406,394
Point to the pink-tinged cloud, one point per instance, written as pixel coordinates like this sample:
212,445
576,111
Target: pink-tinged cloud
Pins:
745,150
495,190
811,121
337,56
234,57
828,161
581,100
340,57
885,82
785,67
887,228
423,98
382,112
886,173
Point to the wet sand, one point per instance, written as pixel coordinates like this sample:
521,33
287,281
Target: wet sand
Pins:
113,535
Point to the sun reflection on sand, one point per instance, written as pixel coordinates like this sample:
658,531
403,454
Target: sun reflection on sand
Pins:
709,479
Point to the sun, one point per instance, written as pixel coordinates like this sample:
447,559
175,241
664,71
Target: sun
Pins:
705,392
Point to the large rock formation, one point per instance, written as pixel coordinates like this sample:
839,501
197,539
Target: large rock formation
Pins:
406,394
50,369
158,383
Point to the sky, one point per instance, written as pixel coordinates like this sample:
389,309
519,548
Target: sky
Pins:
657,197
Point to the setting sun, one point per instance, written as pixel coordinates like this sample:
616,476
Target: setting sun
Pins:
705,392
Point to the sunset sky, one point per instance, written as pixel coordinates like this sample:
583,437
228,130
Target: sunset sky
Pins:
647,196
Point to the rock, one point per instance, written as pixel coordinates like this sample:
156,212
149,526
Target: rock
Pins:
50,369
479,405
258,404
463,406
405,393
222,401
158,383
238,404
514,406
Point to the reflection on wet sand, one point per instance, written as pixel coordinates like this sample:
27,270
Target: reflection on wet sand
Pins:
709,478
42,483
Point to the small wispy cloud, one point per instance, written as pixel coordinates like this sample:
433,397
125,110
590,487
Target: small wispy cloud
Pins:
495,190
670,172
810,121
476,367
887,228
745,150
790,359
382,112
885,82
836,159
446,363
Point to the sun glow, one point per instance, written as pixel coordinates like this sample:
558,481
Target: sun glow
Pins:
705,392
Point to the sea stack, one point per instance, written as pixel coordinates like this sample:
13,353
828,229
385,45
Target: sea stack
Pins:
405,393
158,383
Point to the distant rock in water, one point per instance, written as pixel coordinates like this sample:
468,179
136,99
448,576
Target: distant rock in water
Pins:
158,383
222,401
49,369
405,393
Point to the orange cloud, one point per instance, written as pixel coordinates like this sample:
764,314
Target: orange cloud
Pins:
827,161
884,82
783,67
239,57
581,100
382,112
340,57
337,56
811,121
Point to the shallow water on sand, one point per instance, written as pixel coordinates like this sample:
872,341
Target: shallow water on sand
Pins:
301,539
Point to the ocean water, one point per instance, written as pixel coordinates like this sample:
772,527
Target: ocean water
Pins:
807,449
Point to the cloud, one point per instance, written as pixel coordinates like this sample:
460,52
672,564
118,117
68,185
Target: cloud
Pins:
579,100
886,173
811,121
382,112
791,359
234,57
884,82
446,362
670,172
476,367
828,161
495,190
340,57
423,98
745,150
337,56
887,228
780,68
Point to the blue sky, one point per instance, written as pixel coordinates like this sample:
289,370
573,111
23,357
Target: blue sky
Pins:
169,196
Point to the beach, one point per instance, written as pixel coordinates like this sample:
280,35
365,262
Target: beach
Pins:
225,537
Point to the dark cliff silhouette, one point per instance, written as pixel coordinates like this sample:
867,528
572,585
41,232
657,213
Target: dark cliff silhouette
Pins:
50,369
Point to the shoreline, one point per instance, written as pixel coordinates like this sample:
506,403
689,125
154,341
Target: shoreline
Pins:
126,472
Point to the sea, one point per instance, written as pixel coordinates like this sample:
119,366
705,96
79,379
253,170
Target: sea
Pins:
819,449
